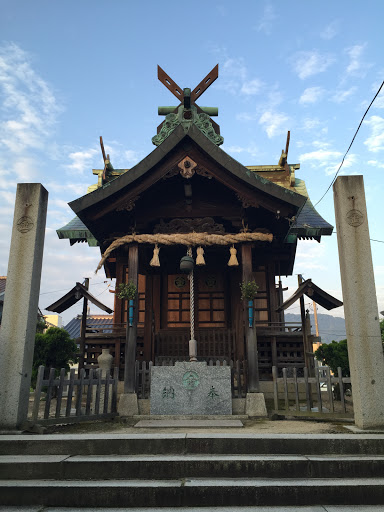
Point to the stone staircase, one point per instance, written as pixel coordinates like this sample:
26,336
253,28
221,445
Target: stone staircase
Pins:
191,470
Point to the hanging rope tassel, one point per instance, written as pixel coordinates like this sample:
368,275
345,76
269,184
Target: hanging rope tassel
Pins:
233,259
200,256
155,262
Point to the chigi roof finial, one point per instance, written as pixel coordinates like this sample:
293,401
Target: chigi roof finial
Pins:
188,112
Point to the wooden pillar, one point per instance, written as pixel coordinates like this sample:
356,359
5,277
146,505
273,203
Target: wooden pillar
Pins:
148,322
131,332
83,327
303,325
250,332
273,298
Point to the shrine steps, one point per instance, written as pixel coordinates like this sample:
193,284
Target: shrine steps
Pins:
192,470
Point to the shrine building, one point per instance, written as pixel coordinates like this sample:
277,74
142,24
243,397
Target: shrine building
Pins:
238,223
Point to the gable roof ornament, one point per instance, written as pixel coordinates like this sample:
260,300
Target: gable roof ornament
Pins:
188,112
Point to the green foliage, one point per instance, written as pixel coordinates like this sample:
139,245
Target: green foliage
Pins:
248,290
335,354
53,349
382,330
41,325
127,291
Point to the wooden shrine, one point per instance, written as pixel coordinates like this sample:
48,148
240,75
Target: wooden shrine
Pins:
239,223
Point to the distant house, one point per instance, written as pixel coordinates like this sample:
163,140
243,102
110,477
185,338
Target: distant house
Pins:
53,320
95,323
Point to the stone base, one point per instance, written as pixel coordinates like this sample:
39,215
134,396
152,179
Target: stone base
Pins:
128,405
255,405
191,389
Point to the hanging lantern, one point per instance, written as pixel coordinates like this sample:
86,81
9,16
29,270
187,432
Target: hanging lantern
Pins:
200,256
233,259
186,264
155,262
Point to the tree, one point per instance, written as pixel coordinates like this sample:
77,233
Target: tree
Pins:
53,349
382,330
335,354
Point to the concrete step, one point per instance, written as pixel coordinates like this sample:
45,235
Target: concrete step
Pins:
166,467
193,492
311,508
228,443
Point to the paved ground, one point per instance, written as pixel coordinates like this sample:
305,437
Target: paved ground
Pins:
260,426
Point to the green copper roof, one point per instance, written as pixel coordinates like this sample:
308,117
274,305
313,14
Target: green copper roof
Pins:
309,223
185,118
76,231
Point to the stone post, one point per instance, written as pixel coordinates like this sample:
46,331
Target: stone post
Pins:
360,304
104,361
18,328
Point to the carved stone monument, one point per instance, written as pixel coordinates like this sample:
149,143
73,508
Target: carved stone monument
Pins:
18,328
365,349
191,389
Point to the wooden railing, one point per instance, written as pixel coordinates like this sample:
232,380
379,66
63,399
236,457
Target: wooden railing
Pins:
82,397
311,396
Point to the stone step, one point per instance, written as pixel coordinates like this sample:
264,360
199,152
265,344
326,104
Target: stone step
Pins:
183,424
197,443
167,467
312,508
194,492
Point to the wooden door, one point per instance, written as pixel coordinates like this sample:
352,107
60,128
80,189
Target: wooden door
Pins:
209,300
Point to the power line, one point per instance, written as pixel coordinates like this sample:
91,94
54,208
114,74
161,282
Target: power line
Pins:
64,289
371,239
358,128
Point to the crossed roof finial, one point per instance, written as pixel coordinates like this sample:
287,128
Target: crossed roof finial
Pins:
185,95
188,111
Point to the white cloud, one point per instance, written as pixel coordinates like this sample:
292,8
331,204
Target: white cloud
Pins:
251,149
321,155
310,124
132,156
375,163
375,142
309,63
341,96
310,256
330,31
266,22
235,67
247,116
81,160
274,123
311,95
320,144
29,108
251,87
379,101
349,161
355,65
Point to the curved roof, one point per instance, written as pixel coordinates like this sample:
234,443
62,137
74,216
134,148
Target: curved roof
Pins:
112,191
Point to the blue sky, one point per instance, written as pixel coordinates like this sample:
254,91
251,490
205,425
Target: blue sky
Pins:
72,71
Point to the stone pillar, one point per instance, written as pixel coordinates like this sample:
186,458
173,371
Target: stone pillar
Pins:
360,304
18,328
104,361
